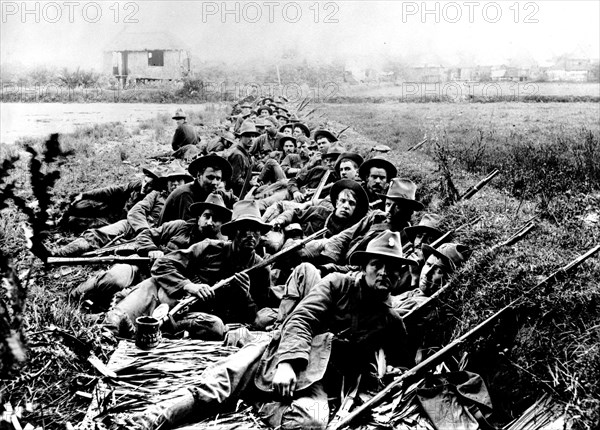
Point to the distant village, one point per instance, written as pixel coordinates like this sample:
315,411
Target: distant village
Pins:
162,56
564,69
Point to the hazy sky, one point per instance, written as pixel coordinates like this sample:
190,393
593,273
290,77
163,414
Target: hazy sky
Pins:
74,33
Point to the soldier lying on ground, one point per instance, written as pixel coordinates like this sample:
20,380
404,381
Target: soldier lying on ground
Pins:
143,215
376,174
291,378
101,206
154,243
193,271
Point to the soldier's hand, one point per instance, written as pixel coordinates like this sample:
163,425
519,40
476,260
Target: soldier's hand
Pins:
242,281
153,255
202,291
284,380
276,225
298,196
78,198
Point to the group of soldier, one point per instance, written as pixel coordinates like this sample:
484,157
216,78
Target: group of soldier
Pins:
261,185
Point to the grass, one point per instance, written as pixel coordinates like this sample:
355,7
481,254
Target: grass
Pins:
549,344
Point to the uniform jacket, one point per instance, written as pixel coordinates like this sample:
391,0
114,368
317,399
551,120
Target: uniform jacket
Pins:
184,135
209,262
310,179
118,197
339,247
177,205
145,213
336,320
240,161
170,236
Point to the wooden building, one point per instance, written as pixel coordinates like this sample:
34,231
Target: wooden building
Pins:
146,57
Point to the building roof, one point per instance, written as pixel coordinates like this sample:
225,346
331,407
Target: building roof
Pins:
128,41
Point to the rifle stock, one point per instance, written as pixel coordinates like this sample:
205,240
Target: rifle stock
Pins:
374,401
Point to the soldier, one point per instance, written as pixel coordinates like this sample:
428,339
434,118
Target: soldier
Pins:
210,171
194,270
239,157
141,216
101,206
376,174
347,165
311,178
154,243
290,378
185,135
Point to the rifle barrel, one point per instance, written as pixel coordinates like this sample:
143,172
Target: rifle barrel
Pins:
82,261
374,401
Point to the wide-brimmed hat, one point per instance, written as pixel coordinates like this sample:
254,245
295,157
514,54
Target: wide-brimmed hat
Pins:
325,133
264,107
211,160
284,126
293,118
281,140
348,156
150,173
281,115
381,148
229,137
303,127
381,163
179,114
264,101
246,105
403,191
248,128
260,122
387,245
245,211
334,151
175,171
362,200
213,202
428,225
452,255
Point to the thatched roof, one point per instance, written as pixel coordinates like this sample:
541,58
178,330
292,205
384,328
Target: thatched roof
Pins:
126,41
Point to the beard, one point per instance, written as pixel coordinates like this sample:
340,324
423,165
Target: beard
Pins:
400,220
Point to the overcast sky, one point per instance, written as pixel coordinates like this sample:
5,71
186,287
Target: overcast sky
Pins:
75,33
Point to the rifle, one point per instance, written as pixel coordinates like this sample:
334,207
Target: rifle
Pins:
340,133
187,301
433,359
83,261
417,146
319,189
246,182
128,246
472,190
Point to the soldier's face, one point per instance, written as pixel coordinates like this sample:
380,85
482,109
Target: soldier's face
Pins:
287,131
345,205
174,183
348,170
179,121
432,276
289,147
208,224
282,121
210,179
377,180
247,236
330,162
322,142
382,275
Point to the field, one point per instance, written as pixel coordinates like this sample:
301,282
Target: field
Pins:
461,90
549,157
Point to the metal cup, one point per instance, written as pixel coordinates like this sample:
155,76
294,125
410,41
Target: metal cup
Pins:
148,332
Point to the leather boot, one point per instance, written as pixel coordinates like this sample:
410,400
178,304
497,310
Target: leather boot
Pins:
167,414
77,247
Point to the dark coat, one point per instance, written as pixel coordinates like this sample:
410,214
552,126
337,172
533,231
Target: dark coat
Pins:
209,262
184,135
177,205
337,319
241,163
